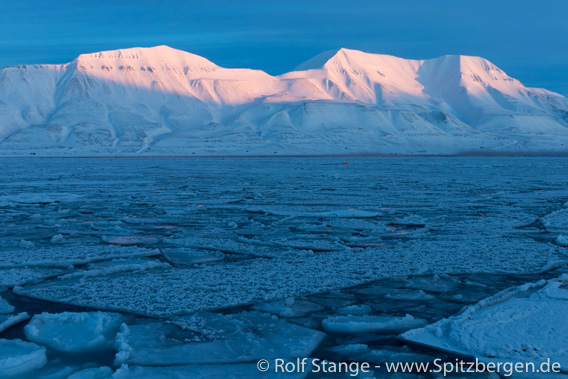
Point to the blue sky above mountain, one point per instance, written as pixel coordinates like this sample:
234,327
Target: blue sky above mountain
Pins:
528,40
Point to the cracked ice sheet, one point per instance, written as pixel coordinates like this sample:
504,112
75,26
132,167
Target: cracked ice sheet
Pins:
63,256
183,290
520,324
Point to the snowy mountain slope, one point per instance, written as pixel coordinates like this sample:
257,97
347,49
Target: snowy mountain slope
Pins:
166,102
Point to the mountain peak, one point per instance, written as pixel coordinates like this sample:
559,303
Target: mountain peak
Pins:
349,58
156,56
322,59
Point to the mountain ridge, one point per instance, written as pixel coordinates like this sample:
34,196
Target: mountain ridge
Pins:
165,101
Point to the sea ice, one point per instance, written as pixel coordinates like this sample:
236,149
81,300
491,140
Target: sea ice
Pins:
339,213
92,373
410,294
184,256
74,332
364,353
130,240
151,292
17,276
432,283
556,221
64,256
20,359
214,339
7,321
562,240
524,323
226,245
289,307
116,266
5,307
371,324
354,310
38,198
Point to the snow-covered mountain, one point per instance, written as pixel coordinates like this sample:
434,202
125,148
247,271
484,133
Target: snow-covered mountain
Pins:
162,101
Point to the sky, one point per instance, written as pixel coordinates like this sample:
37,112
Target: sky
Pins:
527,39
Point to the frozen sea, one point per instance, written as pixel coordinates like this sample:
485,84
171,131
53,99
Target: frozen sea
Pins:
200,267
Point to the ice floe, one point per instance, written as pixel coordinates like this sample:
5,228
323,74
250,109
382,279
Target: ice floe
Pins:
521,324
556,221
354,310
10,277
20,359
289,307
92,373
364,353
116,266
562,240
371,324
7,321
38,198
339,213
63,256
5,307
226,245
214,339
184,256
411,294
74,332
432,283
130,240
